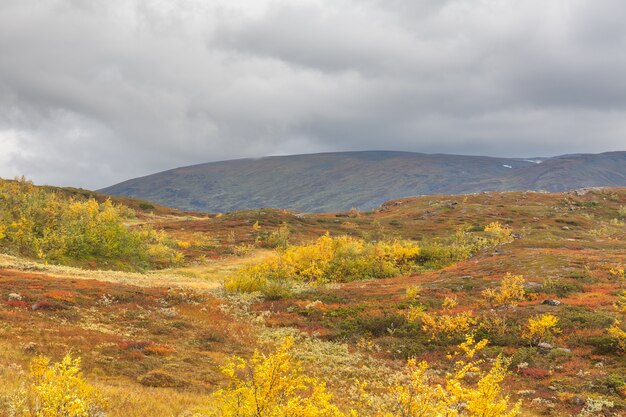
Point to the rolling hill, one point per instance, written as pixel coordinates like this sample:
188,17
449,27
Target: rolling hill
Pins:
342,180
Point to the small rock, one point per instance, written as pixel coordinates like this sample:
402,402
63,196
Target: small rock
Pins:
15,297
526,392
565,228
551,302
577,401
544,346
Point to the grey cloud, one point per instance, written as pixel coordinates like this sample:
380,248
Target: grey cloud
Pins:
92,92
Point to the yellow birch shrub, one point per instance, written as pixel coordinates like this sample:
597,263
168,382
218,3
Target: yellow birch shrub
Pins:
511,290
617,331
271,386
421,394
39,223
413,292
58,389
447,325
619,273
499,233
541,328
327,259
618,334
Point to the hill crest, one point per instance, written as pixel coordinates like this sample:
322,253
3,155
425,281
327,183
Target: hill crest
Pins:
339,181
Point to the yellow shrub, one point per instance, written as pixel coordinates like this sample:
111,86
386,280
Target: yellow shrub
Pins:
618,335
328,259
511,290
617,332
449,303
58,389
415,313
541,328
413,292
499,233
619,273
447,325
271,386
40,223
419,395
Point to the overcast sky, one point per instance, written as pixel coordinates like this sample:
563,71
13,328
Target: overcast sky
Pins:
96,92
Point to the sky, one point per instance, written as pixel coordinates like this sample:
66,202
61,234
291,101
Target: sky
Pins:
95,92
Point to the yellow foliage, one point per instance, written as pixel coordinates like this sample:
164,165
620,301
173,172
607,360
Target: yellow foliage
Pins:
419,395
618,335
447,324
58,389
511,290
40,223
617,331
541,328
415,313
328,259
618,273
413,292
499,233
271,386
449,303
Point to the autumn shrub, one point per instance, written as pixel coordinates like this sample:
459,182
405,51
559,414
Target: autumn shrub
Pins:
57,389
328,259
413,292
541,328
447,325
279,238
499,233
419,393
273,385
511,290
617,330
39,223
463,244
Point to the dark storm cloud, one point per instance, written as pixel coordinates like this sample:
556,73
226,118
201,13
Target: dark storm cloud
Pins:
95,92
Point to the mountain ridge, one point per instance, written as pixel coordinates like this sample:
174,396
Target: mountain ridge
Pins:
338,181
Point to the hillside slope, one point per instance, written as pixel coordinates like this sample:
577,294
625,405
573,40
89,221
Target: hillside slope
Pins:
340,181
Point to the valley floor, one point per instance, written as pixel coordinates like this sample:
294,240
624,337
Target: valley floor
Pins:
153,342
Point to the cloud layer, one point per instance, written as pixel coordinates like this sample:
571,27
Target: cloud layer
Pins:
95,92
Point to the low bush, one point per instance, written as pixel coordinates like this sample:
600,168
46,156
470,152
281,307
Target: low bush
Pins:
39,223
56,389
511,290
328,259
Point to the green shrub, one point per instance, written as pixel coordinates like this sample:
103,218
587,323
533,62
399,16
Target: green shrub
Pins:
39,223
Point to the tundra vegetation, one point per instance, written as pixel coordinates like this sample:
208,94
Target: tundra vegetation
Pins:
498,304
35,222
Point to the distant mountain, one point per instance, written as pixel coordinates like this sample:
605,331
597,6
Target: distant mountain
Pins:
342,180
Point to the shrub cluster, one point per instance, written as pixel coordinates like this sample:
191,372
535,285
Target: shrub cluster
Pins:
328,259
39,223
462,245
56,389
